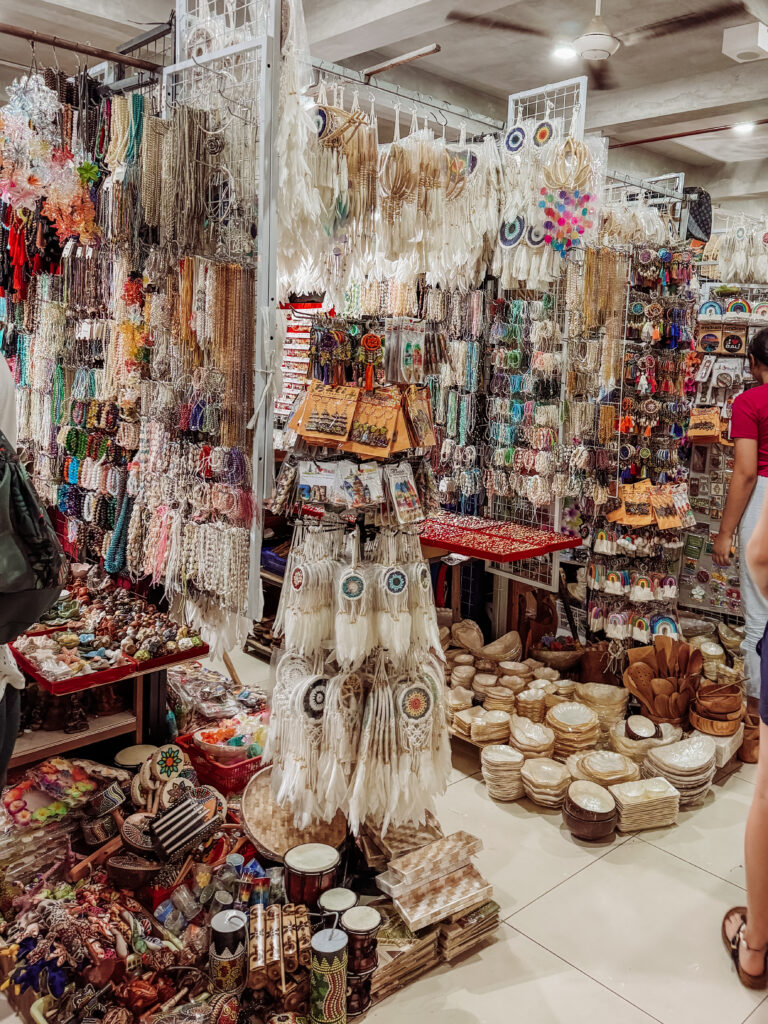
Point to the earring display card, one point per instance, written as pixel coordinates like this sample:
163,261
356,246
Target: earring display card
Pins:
705,586
373,423
325,415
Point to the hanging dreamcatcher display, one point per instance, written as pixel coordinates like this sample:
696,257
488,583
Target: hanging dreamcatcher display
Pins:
358,715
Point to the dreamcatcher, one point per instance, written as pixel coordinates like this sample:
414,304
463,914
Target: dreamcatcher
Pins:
566,197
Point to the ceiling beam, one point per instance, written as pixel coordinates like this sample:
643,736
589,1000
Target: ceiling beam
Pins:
682,99
339,29
746,178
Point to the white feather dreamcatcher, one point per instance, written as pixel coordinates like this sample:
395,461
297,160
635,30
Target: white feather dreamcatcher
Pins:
373,791
307,617
424,760
298,785
393,619
425,633
356,628
342,721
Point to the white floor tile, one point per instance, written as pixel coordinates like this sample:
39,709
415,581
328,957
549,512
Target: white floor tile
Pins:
252,671
711,836
526,850
512,979
647,925
746,772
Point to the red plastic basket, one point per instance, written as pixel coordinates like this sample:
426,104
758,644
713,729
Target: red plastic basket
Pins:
227,778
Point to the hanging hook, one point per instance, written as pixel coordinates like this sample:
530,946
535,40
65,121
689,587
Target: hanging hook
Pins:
33,59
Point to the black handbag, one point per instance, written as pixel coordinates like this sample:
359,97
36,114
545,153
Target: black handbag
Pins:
33,567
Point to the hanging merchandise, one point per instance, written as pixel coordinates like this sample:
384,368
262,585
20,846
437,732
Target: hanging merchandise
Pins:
130,292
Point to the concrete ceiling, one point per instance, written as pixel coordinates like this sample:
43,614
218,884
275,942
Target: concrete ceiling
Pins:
680,82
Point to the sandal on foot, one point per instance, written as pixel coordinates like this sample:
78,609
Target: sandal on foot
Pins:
756,981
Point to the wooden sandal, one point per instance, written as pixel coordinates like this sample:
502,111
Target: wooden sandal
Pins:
755,981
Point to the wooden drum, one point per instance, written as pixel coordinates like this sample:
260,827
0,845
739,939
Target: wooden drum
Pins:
310,870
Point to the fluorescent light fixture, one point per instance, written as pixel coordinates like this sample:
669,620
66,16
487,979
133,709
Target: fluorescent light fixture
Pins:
744,127
564,52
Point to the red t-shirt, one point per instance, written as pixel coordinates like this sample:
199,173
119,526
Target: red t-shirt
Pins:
749,419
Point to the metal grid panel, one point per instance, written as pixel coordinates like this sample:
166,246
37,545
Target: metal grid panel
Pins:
537,572
558,100
206,26
228,88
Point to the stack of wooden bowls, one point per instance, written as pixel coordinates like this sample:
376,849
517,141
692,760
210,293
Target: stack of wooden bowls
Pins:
589,811
718,708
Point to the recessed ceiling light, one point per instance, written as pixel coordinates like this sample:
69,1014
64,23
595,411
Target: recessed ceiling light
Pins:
564,51
744,127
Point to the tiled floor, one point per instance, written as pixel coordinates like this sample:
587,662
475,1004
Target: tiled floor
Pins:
622,933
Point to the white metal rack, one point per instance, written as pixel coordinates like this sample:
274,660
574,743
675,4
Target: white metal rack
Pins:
233,48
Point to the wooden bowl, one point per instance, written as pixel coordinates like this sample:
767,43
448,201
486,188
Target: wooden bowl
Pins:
583,814
711,726
558,659
590,831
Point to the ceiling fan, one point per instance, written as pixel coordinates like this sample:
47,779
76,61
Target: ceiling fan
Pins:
598,42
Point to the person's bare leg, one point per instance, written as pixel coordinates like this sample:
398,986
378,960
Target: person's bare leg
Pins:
757,551
755,859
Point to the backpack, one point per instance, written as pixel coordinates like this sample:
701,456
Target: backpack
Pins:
33,568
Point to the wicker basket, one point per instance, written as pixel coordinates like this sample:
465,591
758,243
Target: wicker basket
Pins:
557,659
507,648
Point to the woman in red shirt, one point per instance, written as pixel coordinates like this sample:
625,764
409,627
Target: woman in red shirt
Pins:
745,929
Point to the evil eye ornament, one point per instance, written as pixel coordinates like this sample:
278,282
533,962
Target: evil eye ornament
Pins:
515,139
511,232
543,133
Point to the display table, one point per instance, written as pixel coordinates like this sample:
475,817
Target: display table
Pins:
474,537
146,722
